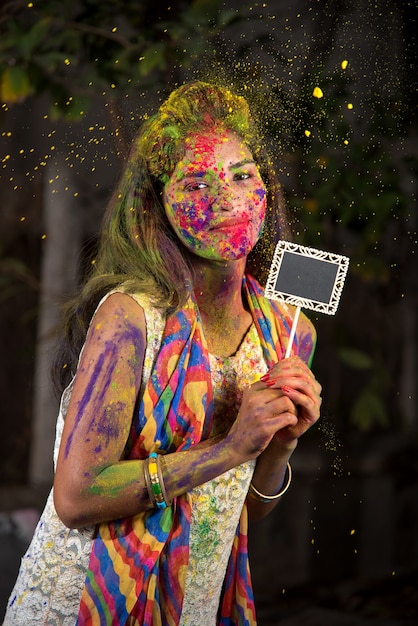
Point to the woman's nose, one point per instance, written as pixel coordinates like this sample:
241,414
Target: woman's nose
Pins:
227,199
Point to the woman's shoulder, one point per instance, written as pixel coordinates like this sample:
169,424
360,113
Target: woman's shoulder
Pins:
122,314
144,319
135,306
305,325
114,315
118,301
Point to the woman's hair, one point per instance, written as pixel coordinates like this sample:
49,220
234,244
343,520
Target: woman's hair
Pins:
137,246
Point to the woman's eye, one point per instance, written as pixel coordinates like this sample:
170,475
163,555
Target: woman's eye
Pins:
195,186
242,176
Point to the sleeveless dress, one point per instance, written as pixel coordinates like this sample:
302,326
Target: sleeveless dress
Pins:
52,574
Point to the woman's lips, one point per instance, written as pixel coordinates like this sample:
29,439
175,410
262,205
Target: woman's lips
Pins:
232,222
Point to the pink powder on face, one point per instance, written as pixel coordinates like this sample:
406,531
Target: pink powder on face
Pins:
216,199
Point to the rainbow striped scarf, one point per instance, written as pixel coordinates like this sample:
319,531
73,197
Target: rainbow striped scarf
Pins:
138,565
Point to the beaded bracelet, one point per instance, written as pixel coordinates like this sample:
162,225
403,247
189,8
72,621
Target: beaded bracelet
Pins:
154,482
262,497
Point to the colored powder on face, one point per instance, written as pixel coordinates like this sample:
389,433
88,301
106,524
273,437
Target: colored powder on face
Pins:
216,181
261,193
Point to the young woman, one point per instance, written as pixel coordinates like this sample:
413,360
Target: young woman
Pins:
179,414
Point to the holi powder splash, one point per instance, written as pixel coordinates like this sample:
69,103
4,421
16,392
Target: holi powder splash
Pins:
302,80
269,57
332,445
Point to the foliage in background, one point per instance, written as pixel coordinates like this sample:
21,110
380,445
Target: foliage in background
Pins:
354,194
350,174
75,50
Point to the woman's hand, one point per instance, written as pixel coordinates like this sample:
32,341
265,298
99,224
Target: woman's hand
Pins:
292,381
276,410
263,412
293,378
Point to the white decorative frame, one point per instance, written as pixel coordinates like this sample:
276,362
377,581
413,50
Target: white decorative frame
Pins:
340,261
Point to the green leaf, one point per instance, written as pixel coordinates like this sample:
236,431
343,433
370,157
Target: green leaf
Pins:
153,58
14,85
77,108
51,61
229,17
356,359
369,411
35,36
71,109
204,9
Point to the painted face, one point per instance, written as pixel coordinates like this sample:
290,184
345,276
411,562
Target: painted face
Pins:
215,199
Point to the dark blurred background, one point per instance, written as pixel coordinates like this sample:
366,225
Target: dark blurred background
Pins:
335,87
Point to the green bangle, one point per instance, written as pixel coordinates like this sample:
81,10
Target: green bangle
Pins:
154,481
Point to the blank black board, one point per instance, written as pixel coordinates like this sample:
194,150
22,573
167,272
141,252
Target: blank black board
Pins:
306,277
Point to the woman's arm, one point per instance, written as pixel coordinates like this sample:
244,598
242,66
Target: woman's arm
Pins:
93,483
90,477
295,382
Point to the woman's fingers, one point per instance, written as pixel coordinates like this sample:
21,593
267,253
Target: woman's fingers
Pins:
262,413
293,373
282,404
308,405
292,378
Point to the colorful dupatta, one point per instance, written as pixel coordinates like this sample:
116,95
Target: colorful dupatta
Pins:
138,565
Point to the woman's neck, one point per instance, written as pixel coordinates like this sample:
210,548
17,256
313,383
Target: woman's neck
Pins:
218,287
224,313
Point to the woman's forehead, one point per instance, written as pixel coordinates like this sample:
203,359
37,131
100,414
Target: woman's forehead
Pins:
221,145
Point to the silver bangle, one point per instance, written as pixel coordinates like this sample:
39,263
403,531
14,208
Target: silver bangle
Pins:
263,497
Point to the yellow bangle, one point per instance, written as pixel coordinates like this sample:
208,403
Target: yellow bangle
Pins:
154,482
262,497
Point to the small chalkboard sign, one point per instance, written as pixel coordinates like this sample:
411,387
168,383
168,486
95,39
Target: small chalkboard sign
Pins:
307,278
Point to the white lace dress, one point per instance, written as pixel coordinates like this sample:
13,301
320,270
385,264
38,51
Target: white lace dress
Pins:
51,578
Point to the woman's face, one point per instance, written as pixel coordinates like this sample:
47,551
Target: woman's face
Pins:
215,199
